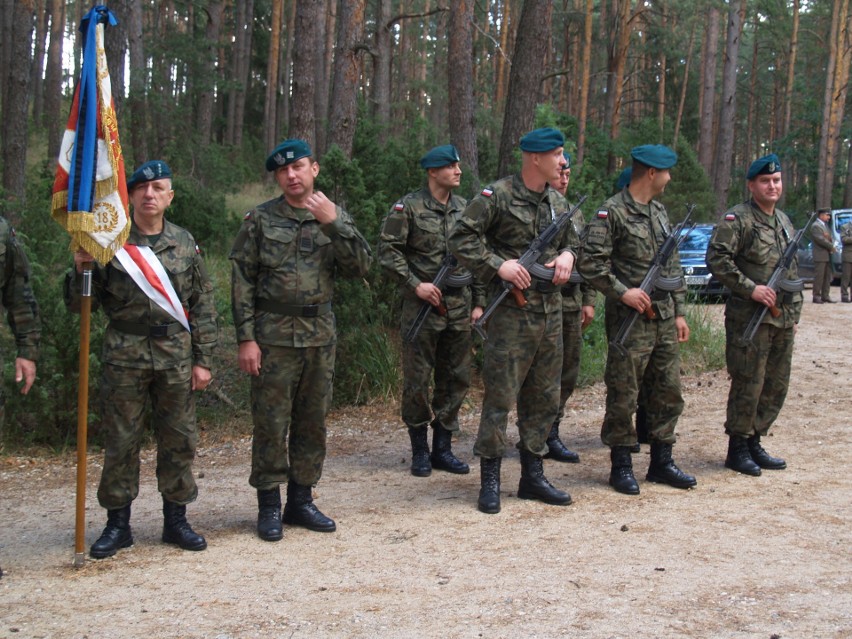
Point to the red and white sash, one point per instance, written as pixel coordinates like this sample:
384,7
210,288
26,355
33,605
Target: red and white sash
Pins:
148,273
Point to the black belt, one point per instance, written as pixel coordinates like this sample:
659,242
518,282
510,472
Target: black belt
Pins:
568,290
293,310
146,330
543,287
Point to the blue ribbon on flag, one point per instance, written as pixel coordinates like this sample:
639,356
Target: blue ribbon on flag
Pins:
81,177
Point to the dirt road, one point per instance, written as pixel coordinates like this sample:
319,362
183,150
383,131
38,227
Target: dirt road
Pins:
735,557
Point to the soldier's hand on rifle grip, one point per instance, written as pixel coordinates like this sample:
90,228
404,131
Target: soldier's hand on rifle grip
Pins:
763,294
639,300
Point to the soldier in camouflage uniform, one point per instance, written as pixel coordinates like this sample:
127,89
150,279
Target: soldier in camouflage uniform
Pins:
284,261
846,257
578,311
412,247
743,252
523,353
21,307
147,355
620,245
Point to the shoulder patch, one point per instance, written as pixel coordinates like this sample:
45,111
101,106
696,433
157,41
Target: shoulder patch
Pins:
730,216
487,192
197,250
247,215
12,232
399,206
602,214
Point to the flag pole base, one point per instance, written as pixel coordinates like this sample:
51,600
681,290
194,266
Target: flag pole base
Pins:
79,559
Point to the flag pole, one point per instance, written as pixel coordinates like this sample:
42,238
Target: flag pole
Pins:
83,415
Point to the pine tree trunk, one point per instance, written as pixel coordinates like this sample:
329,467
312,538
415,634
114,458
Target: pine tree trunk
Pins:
306,57
525,78
347,71
52,119
708,91
460,86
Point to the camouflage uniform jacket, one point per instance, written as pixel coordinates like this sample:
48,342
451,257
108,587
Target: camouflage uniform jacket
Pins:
499,224
744,250
576,296
285,255
124,302
620,245
846,240
18,299
413,241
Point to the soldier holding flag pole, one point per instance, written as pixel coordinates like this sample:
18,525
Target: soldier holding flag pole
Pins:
152,284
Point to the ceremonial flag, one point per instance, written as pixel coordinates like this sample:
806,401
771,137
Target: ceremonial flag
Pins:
90,190
90,202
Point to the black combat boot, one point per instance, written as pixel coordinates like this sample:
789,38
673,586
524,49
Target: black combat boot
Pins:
621,476
739,457
556,450
116,534
664,471
534,484
176,530
442,454
420,464
269,514
489,484
761,457
301,511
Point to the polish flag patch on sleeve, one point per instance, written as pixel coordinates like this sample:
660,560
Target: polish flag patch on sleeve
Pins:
399,206
247,215
730,217
602,214
487,192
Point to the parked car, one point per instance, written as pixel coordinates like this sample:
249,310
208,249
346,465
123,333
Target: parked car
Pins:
839,217
693,250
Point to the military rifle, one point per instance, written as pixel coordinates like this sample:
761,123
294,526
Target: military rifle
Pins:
653,279
527,260
777,282
443,278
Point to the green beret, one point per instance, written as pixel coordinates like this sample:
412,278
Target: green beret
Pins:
624,178
542,140
657,156
439,157
286,153
768,164
148,172
567,157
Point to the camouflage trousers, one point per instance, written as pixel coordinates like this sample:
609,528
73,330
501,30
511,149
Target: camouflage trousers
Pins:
572,346
652,362
124,395
289,402
522,361
760,376
446,354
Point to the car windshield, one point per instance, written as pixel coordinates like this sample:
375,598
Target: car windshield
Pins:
841,218
697,241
